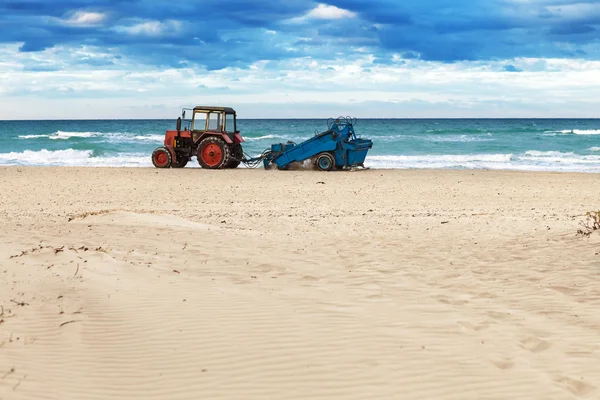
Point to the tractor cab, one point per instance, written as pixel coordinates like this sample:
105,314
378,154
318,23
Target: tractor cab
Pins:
210,134
213,120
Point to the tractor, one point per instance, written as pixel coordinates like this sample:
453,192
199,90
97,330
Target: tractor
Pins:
211,135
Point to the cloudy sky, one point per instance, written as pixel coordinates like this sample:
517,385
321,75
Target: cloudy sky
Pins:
299,58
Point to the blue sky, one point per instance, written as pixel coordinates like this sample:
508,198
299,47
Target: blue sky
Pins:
293,58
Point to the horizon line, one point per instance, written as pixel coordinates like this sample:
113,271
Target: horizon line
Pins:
307,118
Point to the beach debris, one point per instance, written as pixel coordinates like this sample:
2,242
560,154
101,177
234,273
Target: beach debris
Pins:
177,272
591,223
20,303
59,249
67,322
77,270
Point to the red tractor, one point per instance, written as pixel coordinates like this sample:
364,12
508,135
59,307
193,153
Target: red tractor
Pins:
211,136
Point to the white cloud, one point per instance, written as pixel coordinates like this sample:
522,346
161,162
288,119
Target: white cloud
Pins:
323,11
84,18
301,87
575,11
152,28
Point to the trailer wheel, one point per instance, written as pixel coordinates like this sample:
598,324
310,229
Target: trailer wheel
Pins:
181,162
325,162
213,153
161,157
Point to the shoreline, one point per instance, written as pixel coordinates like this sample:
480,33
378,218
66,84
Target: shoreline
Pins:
393,170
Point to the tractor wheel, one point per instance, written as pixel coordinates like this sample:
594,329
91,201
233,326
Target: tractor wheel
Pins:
213,153
325,162
181,162
235,156
161,157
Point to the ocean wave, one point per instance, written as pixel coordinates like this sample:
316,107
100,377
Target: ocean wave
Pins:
529,161
470,138
150,138
532,160
114,137
594,149
30,157
32,136
72,157
60,135
573,132
253,139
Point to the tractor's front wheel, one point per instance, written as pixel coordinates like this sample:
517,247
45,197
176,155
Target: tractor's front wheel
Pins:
161,157
213,153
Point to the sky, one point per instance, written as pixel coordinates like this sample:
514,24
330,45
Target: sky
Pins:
74,59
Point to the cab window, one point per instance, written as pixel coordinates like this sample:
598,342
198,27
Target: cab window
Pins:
214,122
230,123
199,121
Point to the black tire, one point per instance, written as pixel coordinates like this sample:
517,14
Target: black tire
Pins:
220,146
181,162
236,155
325,162
161,157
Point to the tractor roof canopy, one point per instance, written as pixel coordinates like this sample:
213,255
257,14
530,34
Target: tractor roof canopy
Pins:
227,110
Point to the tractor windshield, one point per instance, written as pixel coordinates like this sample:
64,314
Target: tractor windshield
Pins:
230,123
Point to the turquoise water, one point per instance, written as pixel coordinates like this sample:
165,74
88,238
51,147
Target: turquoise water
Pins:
517,144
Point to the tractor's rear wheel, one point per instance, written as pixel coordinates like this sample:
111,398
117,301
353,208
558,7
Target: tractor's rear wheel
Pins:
181,162
213,153
236,155
325,162
161,157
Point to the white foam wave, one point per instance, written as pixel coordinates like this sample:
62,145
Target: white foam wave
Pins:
114,137
594,149
71,157
29,157
254,139
435,138
32,136
532,160
529,161
573,132
60,135
150,138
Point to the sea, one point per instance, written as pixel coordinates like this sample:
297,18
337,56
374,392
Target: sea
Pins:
561,145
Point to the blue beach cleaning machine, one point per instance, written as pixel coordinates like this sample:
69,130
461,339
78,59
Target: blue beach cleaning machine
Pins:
336,148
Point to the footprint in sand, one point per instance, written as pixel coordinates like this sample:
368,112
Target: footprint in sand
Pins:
451,300
504,364
535,344
575,386
497,315
475,327
564,290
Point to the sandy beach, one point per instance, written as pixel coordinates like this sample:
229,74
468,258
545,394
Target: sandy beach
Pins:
138,283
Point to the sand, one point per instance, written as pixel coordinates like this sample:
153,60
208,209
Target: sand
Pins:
251,284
